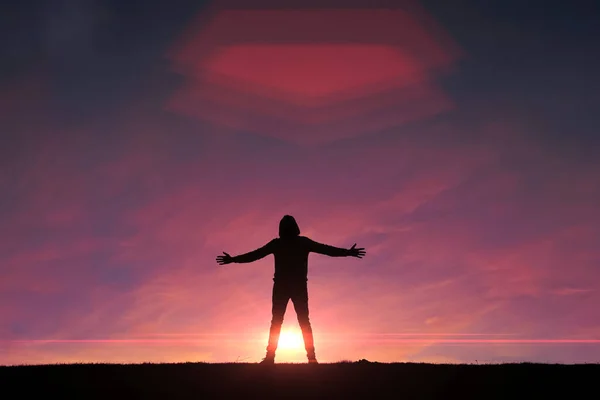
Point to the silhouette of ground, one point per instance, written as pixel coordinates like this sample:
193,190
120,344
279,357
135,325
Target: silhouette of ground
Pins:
339,380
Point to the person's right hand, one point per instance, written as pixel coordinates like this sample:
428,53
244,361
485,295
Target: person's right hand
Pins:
226,259
356,252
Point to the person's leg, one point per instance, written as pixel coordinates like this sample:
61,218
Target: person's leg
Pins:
300,300
280,299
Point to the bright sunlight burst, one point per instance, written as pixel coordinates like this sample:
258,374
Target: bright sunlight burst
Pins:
291,340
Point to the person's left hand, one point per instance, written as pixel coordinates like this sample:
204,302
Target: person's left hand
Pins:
226,259
358,252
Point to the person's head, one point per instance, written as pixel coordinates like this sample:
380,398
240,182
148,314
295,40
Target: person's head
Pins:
288,227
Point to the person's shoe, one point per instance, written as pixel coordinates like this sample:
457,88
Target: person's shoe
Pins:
268,361
312,361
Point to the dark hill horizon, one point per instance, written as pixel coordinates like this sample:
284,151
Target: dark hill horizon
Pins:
360,379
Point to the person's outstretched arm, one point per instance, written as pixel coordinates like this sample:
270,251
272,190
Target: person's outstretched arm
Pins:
333,251
249,257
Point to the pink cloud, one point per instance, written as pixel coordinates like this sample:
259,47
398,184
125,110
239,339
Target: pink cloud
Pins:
262,71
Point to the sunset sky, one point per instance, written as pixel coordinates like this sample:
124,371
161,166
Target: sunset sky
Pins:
457,141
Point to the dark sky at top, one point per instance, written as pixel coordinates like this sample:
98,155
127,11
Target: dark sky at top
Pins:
538,57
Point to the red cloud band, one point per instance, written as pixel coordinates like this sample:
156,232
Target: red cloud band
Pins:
311,76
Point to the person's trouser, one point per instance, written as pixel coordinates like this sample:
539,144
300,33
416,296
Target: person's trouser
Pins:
298,293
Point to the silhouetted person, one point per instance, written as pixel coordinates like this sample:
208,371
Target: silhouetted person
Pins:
290,281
